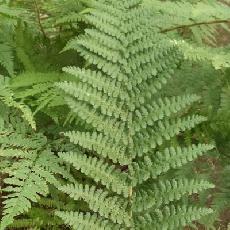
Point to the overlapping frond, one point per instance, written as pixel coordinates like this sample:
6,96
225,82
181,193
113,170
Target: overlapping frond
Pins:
30,85
6,58
8,98
32,170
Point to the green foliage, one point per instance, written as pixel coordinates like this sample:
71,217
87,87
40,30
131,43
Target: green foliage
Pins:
6,57
212,86
29,85
196,22
185,13
7,96
31,170
113,136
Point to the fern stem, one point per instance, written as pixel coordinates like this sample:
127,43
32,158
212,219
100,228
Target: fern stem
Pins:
130,201
194,24
38,13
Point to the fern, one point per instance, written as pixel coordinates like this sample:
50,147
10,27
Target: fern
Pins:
219,58
30,85
225,105
130,153
6,57
199,18
41,215
33,169
10,12
9,17
197,27
212,86
129,123
7,96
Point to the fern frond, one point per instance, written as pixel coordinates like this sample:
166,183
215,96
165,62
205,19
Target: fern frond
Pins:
190,16
26,223
32,170
118,95
225,102
111,127
6,58
31,78
71,18
162,108
30,85
155,195
100,171
98,100
88,221
171,217
99,201
154,165
19,140
7,96
99,81
165,131
11,12
218,57
102,144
